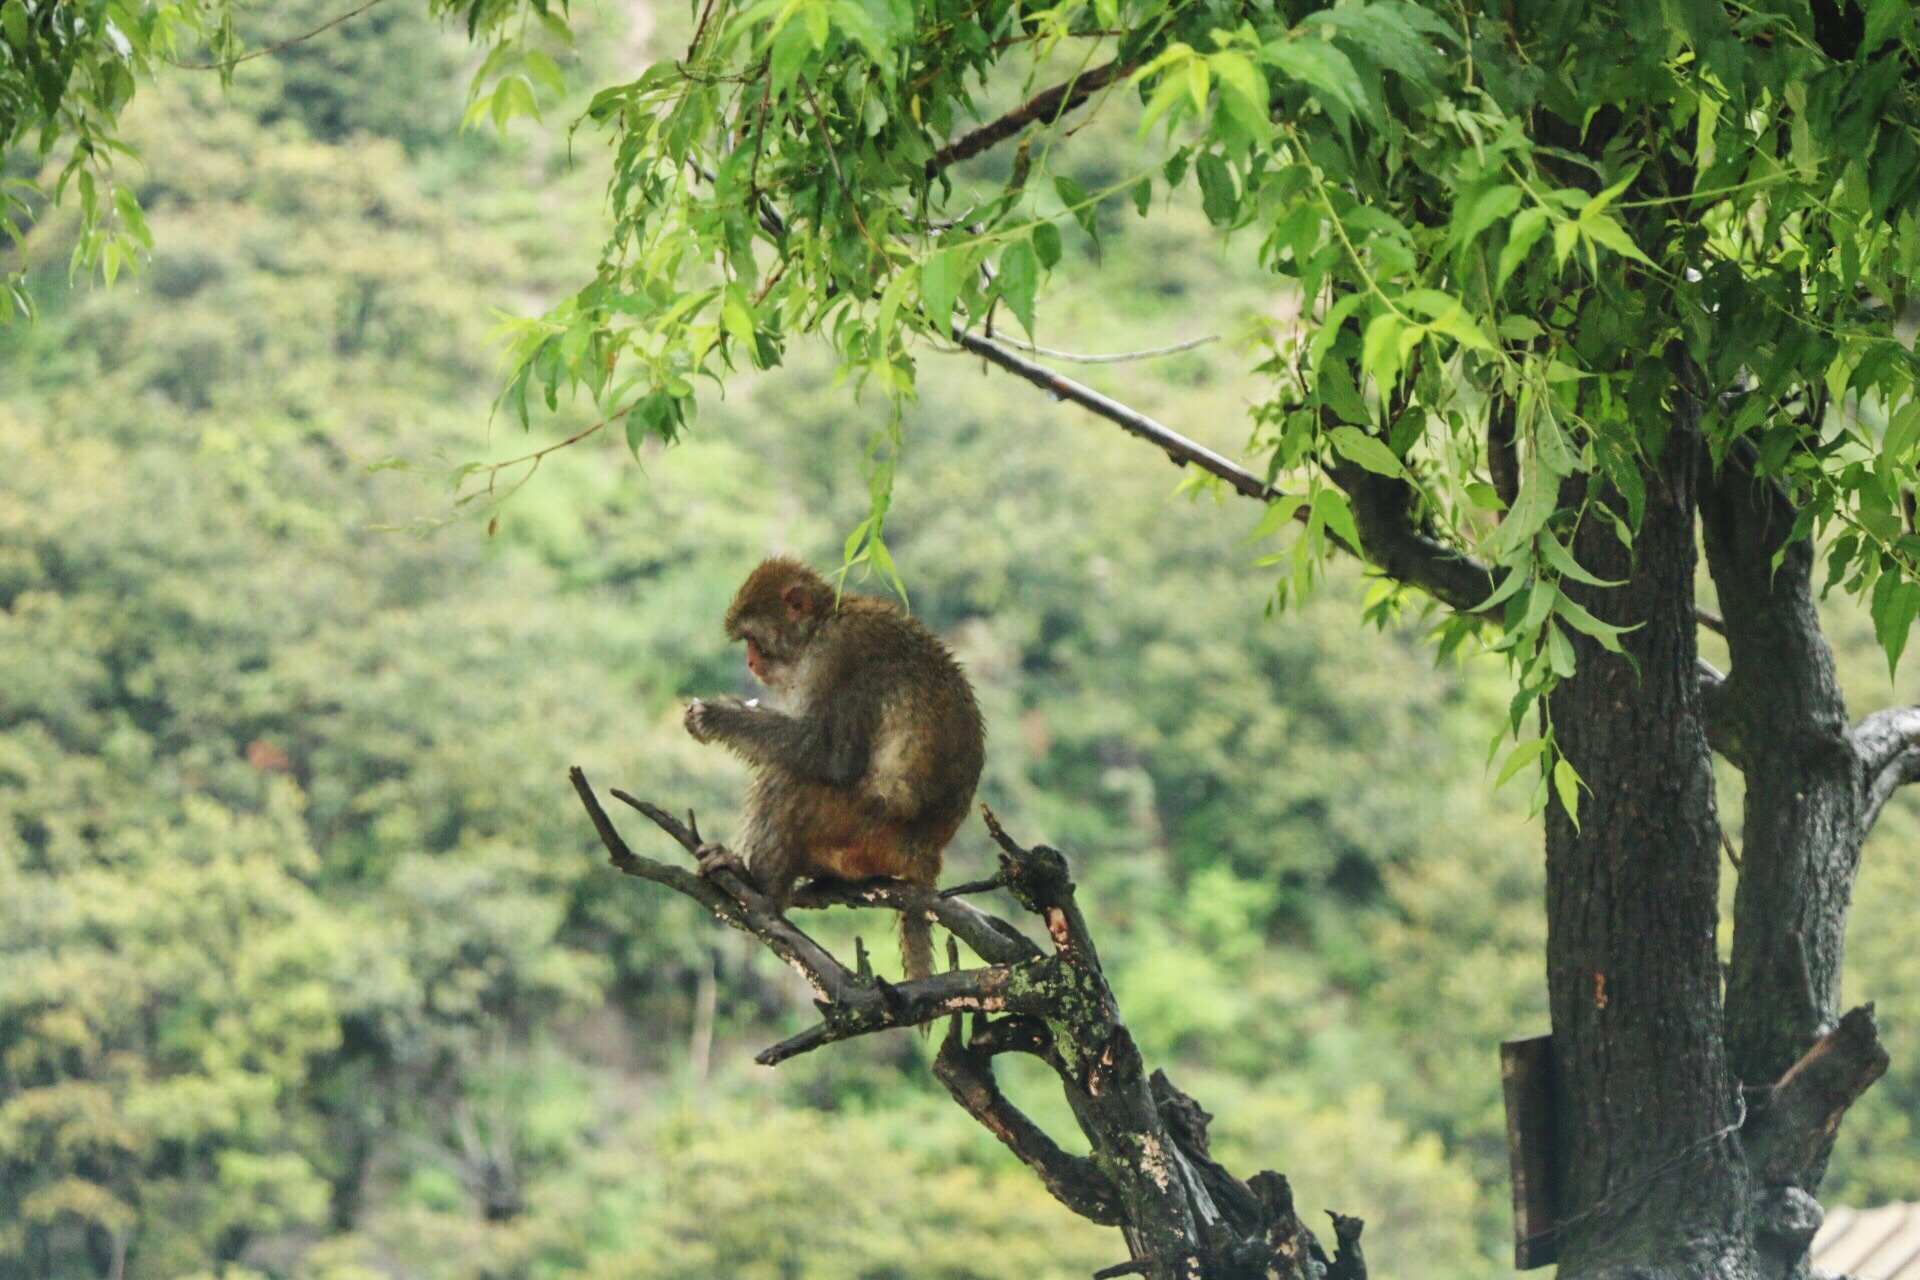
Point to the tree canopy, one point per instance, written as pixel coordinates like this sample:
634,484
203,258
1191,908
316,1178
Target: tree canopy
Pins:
1576,284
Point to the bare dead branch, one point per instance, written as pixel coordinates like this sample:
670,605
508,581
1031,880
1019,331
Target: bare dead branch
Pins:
1046,107
1348,1262
966,1069
1183,1214
731,899
992,939
864,1009
1789,1138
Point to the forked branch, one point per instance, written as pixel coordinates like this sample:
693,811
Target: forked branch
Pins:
1149,1171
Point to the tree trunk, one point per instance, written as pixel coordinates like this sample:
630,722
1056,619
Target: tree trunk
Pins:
1651,1175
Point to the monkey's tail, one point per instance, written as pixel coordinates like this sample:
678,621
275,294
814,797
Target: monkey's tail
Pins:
916,945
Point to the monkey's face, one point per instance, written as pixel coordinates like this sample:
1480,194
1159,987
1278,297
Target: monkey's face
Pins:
776,612
771,653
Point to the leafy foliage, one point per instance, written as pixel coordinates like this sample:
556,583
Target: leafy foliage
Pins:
1522,235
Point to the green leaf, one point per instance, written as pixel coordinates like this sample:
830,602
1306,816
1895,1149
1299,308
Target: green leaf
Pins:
1484,496
1522,234
1329,73
1046,243
940,278
1019,277
131,218
1566,785
1515,579
546,71
1903,432
1487,208
1330,509
890,300
1367,451
1380,349
1605,633
1537,499
1078,203
1218,199
1886,19
1523,754
1593,208
1337,392
1551,444
1279,513
1565,236
1894,605
1563,563
1559,652
1243,93
1606,231
737,319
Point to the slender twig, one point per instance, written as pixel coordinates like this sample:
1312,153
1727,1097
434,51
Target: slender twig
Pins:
272,48
1116,357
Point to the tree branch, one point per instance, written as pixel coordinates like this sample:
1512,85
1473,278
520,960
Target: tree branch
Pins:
1888,743
1395,545
1790,1137
991,938
1149,1173
731,899
966,1069
1182,451
1782,708
1046,106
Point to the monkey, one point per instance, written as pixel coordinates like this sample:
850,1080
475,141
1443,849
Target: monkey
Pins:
866,752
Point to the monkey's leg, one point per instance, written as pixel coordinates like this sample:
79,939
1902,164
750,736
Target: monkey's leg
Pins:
776,826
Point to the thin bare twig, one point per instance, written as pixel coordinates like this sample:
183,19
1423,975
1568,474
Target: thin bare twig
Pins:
1116,357
251,54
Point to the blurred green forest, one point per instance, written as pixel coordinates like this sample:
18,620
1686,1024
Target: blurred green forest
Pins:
309,964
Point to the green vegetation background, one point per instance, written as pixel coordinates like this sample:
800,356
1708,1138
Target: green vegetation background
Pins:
308,964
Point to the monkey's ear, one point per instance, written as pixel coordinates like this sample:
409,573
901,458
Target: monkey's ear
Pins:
799,601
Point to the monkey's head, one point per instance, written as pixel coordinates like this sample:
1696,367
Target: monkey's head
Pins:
777,611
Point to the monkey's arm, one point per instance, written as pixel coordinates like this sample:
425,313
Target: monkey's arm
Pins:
824,747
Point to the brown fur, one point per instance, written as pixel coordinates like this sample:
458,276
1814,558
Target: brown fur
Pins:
867,759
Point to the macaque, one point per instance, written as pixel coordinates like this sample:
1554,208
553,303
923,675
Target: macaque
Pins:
865,753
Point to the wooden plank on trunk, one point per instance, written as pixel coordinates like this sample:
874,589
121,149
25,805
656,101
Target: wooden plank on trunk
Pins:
1526,1074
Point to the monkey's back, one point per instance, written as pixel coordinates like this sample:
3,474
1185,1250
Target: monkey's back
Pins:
928,738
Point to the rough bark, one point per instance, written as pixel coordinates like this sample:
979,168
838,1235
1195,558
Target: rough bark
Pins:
1805,793
1652,1180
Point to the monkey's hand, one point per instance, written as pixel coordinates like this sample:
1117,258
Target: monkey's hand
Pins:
717,857
707,718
